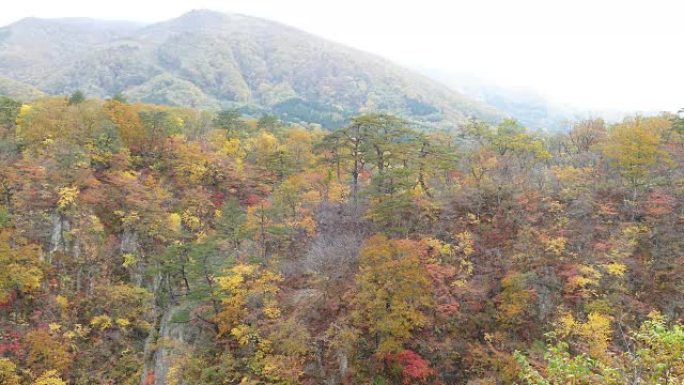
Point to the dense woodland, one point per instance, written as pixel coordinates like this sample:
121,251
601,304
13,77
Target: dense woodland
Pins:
144,244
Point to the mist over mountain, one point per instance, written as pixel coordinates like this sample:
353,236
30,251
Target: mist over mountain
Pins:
208,59
529,107
32,49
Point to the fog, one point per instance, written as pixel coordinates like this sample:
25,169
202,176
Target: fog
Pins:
623,55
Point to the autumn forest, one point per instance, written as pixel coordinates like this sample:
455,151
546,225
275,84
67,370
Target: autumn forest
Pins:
146,244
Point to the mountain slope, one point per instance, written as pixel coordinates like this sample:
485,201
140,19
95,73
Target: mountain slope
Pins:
210,59
32,48
18,90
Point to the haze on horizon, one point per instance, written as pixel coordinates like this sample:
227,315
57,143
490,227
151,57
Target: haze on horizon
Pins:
623,55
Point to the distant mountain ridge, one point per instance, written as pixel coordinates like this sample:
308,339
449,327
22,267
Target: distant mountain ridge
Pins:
529,107
215,60
32,48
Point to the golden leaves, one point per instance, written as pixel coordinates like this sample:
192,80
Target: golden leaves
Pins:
239,283
50,377
8,372
174,222
615,269
102,322
596,332
393,288
21,265
67,196
634,147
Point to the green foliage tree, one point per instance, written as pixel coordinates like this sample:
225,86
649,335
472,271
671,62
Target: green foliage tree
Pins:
564,368
231,121
232,223
77,97
268,122
9,111
660,351
656,359
120,98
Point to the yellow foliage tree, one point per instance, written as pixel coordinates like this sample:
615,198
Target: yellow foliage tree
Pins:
67,196
8,372
50,377
46,352
127,120
239,284
393,290
634,148
594,334
514,299
264,147
21,265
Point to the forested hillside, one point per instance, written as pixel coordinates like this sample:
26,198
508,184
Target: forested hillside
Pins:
145,244
208,59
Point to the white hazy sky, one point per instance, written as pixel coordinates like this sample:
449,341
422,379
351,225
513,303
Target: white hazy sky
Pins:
620,54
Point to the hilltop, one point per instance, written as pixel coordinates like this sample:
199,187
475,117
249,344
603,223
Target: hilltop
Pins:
207,59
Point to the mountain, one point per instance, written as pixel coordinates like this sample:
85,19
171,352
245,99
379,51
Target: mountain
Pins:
31,49
529,107
214,60
18,90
